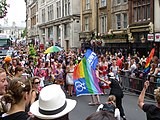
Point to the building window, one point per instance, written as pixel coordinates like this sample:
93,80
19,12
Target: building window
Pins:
50,12
43,15
103,24
66,30
118,1
118,18
148,11
103,3
87,4
66,7
124,20
141,10
58,9
86,24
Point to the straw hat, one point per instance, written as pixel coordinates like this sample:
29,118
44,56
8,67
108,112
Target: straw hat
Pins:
52,103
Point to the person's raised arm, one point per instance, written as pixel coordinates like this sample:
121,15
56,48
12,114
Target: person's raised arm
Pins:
141,96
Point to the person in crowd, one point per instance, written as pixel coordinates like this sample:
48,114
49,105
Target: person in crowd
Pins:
116,90
35,89
3,87
103,71
132,74
18,95
115,69
52,106
157,75
69,77
110,106
13,66
101,115
152,111
59,75
125,78
119,61
18,72
6,66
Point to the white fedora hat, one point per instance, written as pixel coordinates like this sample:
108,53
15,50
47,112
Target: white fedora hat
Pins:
52,103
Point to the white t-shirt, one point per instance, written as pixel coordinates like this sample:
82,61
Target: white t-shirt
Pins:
116,113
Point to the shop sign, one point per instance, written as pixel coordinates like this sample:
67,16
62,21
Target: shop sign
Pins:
150,37
157,37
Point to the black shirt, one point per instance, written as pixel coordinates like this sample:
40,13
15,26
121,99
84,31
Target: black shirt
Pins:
116,88
16,116
152,112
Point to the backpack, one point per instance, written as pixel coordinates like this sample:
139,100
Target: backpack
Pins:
108,107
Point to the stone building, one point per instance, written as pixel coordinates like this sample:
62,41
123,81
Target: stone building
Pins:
95,22
141,24
54,22
59,22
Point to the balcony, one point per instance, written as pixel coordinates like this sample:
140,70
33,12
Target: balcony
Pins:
88,11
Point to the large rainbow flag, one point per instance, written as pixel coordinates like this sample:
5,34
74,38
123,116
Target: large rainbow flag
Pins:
85,80
148,61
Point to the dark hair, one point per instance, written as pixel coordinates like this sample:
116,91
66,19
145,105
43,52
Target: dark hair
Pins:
34,78
17,69
65,117
16,88
101,115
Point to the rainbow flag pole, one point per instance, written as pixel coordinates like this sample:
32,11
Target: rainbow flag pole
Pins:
148,61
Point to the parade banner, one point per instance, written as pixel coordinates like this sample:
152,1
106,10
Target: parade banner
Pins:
148,61
91,58
85,80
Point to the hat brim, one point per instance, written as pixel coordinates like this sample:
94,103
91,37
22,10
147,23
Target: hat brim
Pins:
34,109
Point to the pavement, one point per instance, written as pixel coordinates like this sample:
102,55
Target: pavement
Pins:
132,111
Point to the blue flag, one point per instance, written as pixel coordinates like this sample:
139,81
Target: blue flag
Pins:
91,58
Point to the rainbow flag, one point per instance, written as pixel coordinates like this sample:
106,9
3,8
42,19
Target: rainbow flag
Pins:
148,61
85,80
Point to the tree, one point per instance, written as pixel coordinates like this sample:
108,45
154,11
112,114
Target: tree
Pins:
24,33
3,8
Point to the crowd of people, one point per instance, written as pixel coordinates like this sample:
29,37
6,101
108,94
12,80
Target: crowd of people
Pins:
25,81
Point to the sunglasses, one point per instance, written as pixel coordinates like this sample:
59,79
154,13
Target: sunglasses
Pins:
37,83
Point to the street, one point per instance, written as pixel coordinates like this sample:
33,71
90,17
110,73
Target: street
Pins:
82,109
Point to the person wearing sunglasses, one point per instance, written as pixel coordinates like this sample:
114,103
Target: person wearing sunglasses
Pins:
34,92
35,89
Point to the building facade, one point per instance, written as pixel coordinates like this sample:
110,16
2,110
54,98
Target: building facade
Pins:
141,23
116,39
59,22
32,21
95,22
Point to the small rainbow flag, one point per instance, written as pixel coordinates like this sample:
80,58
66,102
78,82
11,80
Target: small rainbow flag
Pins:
85,80
148,61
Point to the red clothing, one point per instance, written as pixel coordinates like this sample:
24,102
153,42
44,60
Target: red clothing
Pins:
119,63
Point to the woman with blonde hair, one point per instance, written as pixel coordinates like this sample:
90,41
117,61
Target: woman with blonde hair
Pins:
18,95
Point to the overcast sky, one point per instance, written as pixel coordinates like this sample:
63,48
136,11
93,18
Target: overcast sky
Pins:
16,13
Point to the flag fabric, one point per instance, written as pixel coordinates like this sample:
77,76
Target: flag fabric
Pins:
91,58
148,61
85,80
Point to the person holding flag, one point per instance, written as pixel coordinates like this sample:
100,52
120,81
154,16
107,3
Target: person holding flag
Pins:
84,75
